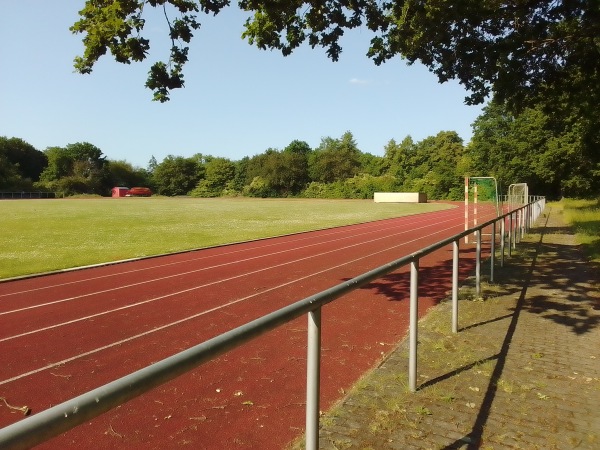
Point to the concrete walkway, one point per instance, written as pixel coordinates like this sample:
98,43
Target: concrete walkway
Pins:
523,371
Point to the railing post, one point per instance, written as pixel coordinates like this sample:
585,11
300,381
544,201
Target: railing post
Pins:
313,375
502,234
455,253
511,234
517,228
478,264
414,315
492,252
521,224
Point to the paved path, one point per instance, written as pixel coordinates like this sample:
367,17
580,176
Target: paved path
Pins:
523,372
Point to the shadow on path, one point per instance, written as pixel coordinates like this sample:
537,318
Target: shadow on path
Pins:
474,437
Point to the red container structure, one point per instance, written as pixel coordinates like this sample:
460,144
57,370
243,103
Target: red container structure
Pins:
139,192
119,191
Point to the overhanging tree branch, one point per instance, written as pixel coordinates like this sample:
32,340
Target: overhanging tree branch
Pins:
514,49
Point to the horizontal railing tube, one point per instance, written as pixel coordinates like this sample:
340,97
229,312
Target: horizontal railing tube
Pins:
46,424
62,417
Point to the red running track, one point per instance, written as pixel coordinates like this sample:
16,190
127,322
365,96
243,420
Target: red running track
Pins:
65,334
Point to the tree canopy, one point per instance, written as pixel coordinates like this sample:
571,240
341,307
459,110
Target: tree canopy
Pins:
76,168
520,51
176,175
552,157
20,163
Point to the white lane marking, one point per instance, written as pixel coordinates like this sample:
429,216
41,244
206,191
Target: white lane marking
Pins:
90,294
158,266
162,327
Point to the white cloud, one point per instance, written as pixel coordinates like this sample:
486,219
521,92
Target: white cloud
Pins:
358,81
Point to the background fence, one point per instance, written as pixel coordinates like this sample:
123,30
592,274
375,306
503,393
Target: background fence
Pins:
26,195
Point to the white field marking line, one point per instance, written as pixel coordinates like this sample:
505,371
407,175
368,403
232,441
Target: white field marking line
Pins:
90,294
172,294
158,266
162,327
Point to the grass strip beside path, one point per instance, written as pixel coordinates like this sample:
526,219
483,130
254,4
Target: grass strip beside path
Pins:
584,217
46,235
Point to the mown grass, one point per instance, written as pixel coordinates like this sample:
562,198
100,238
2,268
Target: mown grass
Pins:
584,216
46,235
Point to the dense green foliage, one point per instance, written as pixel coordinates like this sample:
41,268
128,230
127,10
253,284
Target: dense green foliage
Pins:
176,175
20,164
122,173
554,157
76,168
335,169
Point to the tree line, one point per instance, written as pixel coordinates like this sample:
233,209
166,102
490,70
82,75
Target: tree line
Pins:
531,147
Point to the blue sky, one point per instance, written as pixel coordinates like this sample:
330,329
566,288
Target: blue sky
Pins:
238,100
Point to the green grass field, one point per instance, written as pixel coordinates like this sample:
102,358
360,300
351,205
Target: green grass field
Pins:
46,235
584,216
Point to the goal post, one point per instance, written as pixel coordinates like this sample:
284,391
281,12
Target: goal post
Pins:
481,200
518,195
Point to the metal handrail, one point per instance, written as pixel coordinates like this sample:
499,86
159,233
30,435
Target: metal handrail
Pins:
60,418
